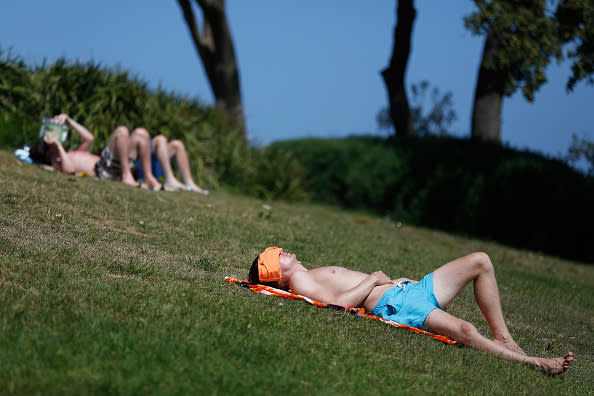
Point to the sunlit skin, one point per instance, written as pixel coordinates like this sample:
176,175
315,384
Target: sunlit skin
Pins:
340,286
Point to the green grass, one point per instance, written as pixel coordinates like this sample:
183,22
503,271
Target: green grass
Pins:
108,289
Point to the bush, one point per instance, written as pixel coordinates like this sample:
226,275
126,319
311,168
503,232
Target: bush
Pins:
277,168
482,189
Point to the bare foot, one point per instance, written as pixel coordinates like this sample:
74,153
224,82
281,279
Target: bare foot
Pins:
554,366
173,185
511,345
129,180
153,183
195,188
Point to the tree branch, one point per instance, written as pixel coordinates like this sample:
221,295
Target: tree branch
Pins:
215,47
202,42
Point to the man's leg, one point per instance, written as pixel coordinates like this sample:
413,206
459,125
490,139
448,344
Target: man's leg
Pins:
162,150
450,278
443,323
119,144
140,148
178,150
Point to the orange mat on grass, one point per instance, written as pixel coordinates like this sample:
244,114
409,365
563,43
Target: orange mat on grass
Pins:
360,312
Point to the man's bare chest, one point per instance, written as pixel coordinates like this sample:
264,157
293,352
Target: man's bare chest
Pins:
337,278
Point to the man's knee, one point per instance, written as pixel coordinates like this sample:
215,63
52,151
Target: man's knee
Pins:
141,133
159,141
467,330
177,145
121,131
482,261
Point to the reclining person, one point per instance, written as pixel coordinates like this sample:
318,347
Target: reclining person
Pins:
107,166
419,304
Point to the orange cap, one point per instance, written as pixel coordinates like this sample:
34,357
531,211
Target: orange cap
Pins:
268,267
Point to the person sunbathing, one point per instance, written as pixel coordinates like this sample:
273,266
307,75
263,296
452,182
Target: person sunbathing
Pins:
109,165
420,304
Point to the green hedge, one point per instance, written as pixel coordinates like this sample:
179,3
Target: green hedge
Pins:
486,190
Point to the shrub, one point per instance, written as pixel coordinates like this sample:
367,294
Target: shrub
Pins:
482,189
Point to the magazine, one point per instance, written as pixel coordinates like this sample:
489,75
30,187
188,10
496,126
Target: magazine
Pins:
51,126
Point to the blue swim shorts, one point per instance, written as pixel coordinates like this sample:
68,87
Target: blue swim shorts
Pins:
408,304
156,167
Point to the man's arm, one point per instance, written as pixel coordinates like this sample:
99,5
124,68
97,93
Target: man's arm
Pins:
86,136
304,284
59,161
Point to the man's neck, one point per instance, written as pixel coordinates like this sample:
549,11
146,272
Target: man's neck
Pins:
288,274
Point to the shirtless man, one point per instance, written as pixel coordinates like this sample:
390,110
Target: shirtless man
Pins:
419,304
108,166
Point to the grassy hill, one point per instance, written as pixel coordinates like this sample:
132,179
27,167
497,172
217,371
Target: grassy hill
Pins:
109,289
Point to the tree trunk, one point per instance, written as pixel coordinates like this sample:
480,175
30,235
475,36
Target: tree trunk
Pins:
214,45
394,74
488,97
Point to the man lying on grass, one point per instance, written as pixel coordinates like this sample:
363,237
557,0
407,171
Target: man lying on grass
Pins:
119,159
419,304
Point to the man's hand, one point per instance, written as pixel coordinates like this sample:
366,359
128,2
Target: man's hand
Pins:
50,139
62,119
380,278
86,136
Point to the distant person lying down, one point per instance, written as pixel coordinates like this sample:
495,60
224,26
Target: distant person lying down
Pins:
414,303
116,162
141,153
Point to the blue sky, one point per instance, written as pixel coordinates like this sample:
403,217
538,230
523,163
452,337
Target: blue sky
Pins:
308,68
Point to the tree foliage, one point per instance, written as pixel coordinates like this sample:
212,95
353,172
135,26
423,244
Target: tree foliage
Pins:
530,33
526,40
581,148
522,37
576,28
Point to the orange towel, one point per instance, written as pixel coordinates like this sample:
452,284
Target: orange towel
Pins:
271,291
